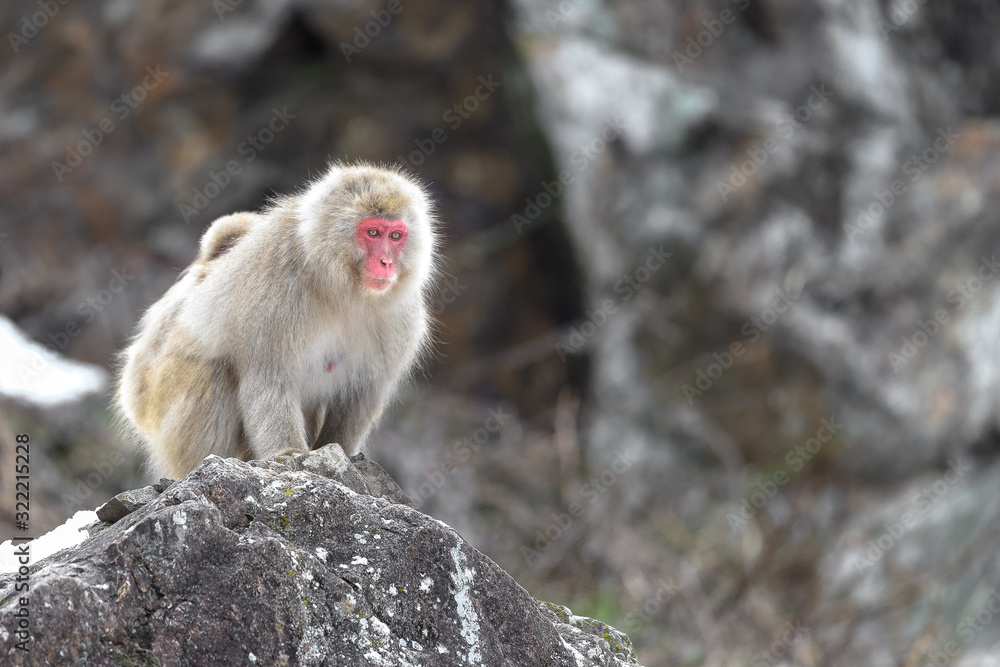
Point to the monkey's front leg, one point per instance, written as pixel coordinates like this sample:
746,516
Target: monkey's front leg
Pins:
349,419
272,417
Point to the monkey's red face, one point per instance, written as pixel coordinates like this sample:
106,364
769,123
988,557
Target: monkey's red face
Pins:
383,242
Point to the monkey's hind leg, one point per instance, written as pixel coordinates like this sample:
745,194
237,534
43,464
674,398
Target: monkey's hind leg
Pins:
203,421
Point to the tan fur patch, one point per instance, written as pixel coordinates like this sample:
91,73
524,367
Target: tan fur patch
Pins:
159,382
386,202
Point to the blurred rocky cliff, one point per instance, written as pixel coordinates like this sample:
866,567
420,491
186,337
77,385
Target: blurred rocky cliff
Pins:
824,332
718,343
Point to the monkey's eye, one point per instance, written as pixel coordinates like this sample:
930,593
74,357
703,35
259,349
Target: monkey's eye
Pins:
373,232
395,236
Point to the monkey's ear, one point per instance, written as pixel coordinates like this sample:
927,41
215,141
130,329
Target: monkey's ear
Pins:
223,235
223,247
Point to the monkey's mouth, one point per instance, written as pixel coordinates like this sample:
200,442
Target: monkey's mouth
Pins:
377,284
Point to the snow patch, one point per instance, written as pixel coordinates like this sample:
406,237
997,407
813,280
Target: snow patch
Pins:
33,373
65,536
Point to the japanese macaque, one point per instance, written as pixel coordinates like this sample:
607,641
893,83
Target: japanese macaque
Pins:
291,329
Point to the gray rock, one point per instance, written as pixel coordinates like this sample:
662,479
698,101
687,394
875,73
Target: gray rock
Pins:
125,503
313,559
887,553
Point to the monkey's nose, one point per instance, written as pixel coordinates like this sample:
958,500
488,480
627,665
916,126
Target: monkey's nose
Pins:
386,262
